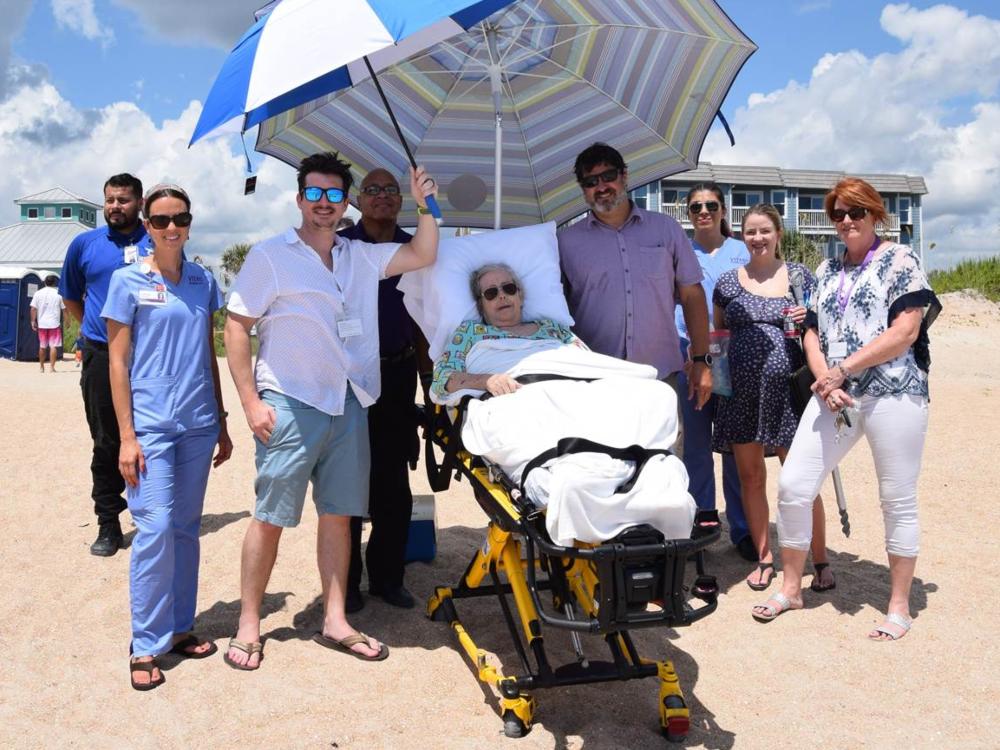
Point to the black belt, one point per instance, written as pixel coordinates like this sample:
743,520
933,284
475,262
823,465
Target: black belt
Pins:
402,356
101,346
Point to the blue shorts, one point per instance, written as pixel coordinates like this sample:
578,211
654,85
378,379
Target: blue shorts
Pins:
308,444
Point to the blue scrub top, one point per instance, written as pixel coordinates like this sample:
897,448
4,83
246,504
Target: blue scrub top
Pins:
732,254
90,260
171,366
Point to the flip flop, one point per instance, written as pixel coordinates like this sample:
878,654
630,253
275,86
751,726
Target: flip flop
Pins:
772,612
762,567
190,641
816,585
247,648
344,645
898,621
147,667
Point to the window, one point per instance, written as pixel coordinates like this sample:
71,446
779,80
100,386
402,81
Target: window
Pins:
670,197
747,198
811,201
32,213
778,200
49,212
638,196
904,210
67,213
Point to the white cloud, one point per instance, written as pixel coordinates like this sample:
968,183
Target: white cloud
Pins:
14,13
45,141
896,112
218,22
79,16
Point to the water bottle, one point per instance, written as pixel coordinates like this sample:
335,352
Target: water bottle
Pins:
849,418
718,347
789,326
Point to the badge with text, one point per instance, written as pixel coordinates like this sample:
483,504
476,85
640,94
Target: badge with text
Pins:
130,254
347,327
156,296
837,350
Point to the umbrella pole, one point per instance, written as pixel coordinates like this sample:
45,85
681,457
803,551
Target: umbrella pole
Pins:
491,41
431,202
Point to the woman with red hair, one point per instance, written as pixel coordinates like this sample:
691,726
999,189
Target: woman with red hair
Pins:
867,345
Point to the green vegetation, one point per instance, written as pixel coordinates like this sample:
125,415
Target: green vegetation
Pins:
796,247
232,260
981,275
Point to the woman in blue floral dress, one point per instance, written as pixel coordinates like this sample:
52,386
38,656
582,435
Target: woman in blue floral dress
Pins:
867,346
758,419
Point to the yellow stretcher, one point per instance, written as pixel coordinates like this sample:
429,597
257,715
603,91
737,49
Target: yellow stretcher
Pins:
636,580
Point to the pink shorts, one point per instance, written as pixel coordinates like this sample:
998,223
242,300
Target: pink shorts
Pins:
49,337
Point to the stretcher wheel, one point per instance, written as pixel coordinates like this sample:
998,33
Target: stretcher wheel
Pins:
678,721
513,727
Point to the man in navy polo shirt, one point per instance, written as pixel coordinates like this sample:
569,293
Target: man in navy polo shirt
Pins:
391,423
91,259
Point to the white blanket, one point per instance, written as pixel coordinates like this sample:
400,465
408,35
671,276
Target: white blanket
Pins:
627,406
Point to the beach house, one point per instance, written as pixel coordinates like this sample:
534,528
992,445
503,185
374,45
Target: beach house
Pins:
48,223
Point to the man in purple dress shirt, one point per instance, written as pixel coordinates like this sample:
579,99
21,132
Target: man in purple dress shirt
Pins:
624,269
392,427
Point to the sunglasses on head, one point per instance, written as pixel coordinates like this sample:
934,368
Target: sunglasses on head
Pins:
313,194
162,221
710,206
608,175
855,213
374,190
489,294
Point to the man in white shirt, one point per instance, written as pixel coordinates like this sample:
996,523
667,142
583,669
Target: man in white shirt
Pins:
46,319
314,299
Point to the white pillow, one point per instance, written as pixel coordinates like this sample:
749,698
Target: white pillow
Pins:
438,297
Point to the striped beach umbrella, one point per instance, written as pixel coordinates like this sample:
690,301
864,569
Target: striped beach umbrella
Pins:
499,112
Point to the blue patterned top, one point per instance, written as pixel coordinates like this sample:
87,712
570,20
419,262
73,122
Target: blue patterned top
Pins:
473,331
892,282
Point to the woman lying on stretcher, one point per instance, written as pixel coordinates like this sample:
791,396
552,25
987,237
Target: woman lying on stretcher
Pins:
499,297
600,399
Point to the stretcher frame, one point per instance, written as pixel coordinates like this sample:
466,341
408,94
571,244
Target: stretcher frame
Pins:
589,584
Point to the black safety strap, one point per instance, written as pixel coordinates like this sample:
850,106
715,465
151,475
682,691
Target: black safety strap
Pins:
581,445
439,475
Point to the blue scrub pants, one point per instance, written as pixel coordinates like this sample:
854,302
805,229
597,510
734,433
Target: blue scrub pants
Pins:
166,508
698,460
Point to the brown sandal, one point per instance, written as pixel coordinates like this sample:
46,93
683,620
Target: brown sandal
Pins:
147,667
247,648
344,645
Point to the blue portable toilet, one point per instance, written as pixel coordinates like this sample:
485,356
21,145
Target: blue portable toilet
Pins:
17,286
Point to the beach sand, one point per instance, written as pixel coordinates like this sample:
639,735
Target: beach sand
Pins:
809,679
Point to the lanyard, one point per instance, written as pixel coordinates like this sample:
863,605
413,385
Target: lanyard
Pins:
842,297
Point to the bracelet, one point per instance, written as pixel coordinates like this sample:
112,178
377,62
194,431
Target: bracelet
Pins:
423,211
843,370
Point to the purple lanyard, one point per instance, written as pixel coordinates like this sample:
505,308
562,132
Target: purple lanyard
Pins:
842,298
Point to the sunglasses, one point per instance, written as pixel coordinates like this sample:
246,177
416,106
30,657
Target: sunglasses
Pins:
374,190
490,294
855,213
313,194
711,207
162,221
608,175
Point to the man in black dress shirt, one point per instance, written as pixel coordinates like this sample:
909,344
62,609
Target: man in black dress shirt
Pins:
392,420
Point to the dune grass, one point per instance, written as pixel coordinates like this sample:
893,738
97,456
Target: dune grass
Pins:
981,275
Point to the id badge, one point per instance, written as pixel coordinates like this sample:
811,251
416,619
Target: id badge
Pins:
130,254
347,327
152,297
837,351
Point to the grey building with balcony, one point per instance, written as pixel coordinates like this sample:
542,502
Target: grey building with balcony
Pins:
796,193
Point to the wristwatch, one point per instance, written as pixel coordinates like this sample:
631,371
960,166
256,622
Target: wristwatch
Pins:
706,358
423,210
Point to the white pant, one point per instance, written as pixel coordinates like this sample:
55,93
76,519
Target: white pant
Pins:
895,427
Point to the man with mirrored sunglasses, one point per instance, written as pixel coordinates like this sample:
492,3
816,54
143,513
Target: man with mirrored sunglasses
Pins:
313,296
623,270
86,275
392,426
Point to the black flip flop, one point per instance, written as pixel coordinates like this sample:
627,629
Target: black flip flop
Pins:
816,585
180,648
761,567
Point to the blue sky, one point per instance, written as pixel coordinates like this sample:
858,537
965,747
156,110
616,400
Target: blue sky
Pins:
907,87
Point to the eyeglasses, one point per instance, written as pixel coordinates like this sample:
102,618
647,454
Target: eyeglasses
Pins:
490,293
313,194
711,207
162,221
374,190
855,213
608,175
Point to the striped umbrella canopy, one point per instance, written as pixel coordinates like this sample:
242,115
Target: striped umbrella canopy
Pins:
498,113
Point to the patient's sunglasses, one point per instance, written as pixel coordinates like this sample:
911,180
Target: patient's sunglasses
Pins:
162,221
856,213
711,207
490,293
313,194
374,190
608,175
